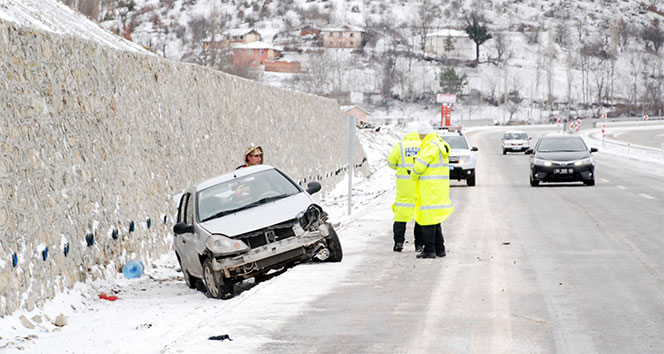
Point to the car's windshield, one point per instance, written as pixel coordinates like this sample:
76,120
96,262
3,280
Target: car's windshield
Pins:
455,141
516,136
242,193
562,144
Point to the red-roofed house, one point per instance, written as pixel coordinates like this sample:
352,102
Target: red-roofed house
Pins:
254,54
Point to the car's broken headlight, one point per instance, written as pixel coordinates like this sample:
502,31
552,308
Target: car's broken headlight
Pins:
222,245
312,218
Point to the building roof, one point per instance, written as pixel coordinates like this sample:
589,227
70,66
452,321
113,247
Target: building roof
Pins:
256,45
448,33
344,28
240,31
348,108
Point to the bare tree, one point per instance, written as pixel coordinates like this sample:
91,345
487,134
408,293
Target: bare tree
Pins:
653,36
428,14
513,101
502,47
599,57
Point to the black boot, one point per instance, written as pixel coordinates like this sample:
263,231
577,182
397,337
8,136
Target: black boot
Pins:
426,255
419,248
441,254
398,247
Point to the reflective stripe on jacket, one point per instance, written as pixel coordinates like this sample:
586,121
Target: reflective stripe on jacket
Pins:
401,159
432,173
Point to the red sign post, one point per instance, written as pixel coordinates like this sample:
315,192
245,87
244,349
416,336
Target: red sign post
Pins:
446,101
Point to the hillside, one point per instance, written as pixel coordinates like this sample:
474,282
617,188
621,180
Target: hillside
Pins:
584,57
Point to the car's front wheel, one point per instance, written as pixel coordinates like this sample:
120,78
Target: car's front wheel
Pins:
533,182
590,182
217,285
471,181
333,245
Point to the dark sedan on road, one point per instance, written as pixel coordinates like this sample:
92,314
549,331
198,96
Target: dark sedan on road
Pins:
561,158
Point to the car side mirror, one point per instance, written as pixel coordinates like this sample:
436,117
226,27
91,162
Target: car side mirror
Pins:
593,150
474,148
530,138
182,228
529,151
313,187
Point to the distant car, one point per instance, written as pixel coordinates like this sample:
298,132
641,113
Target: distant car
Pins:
462,158
561,158
246,223
515,141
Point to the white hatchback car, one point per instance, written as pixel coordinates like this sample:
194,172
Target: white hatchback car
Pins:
515,141
247,222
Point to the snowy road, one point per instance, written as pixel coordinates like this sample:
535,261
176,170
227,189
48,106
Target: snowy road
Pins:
554,269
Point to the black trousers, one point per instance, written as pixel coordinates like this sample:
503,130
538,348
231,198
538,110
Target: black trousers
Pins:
399,229
432,236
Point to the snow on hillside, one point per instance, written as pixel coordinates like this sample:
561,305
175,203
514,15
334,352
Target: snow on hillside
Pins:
53,16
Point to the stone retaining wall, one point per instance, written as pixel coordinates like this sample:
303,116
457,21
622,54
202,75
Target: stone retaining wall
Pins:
97,142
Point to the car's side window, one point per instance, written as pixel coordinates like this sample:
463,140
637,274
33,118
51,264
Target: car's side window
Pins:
189,210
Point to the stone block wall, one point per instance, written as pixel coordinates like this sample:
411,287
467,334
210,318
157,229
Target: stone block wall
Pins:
97,142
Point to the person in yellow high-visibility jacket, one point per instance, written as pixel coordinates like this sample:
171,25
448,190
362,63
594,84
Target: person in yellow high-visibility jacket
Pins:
401,159
431,170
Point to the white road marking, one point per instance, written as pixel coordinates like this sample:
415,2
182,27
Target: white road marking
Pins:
620,187
646,196
604,180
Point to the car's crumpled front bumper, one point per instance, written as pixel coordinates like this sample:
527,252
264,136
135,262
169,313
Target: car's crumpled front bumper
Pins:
263,258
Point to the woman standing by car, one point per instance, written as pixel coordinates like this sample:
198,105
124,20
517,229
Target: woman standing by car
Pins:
252,156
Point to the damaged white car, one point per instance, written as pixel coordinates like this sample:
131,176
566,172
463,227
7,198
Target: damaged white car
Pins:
246,223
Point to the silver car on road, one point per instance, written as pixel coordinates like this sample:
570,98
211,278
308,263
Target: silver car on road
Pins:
246,223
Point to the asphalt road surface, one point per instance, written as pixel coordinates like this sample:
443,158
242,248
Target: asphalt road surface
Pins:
561,268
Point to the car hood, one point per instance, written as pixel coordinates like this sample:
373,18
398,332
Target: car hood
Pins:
459,152
259,217
563,155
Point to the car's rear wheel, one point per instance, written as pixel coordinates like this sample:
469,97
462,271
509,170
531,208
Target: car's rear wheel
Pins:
471,181
333,245
504,152
217,285
188,279
590,182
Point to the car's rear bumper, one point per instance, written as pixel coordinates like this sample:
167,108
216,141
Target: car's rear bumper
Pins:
563,174
274,254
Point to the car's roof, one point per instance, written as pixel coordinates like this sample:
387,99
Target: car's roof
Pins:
559,136
515,131
240,172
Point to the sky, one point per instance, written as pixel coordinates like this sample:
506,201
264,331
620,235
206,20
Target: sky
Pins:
158,313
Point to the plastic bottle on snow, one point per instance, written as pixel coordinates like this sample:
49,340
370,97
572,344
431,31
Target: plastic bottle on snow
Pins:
133,269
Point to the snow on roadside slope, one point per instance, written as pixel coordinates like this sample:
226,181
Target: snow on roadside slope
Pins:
620,148
53,16
158,313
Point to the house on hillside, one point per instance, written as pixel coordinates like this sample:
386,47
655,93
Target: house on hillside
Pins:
360,114
232,38
342,37
254,54
309,32
450,43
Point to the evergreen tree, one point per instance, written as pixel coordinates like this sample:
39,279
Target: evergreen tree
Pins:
477,31
451,82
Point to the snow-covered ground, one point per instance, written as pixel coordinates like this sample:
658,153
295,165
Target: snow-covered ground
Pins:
55,17
158,313
154,312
